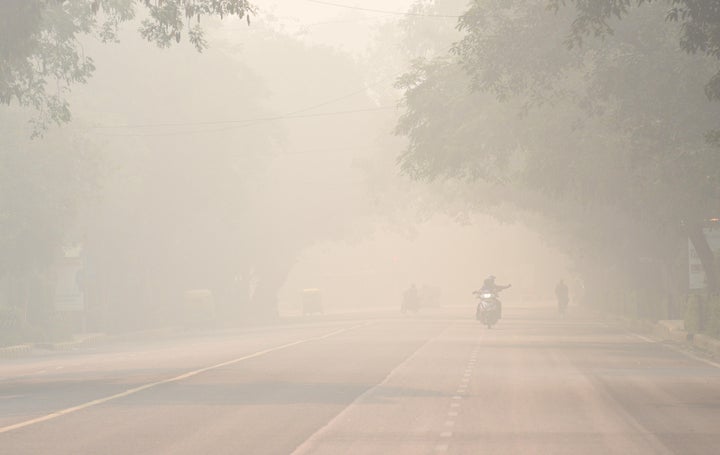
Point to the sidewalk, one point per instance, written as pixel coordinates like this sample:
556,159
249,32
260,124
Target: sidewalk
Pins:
674,330
15,351
85,340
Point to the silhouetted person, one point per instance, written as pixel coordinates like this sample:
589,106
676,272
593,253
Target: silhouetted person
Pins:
563,296
411,300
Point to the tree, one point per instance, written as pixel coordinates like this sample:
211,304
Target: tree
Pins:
47,183
230,206
42,186
700,33
699,24
41,57
608,147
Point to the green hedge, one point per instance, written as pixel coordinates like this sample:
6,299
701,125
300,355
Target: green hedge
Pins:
693,313
702,315
13,331
712,318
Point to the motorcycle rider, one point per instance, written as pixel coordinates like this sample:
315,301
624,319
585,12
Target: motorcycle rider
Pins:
489,285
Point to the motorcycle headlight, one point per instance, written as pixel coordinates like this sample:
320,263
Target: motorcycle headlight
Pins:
486,295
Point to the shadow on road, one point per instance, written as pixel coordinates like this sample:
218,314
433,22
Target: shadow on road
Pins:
262,393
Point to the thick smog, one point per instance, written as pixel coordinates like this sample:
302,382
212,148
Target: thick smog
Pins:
359,227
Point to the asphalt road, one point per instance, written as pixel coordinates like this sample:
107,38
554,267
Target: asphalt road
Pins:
433,383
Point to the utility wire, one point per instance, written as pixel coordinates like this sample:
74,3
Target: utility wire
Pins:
231,124
291,21
339,98
346,21
397,13
290,115
252,121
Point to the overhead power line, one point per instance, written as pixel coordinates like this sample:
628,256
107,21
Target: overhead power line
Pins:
229,124
397,13
339,98
292,115
291,21
252,121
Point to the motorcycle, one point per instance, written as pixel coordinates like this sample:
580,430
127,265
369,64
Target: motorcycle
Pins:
488,308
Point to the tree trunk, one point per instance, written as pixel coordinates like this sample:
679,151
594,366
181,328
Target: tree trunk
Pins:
697,237
271,277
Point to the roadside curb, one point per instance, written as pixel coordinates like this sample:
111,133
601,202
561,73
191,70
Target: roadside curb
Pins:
674,330
15,351
707,343
88,340
84,340
150,334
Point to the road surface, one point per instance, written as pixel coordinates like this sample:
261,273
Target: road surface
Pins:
433,383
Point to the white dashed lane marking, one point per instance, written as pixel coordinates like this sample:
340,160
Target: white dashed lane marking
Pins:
456,400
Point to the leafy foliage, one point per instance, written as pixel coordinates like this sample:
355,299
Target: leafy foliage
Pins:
41,57
40,189
167,18
699,24
606,140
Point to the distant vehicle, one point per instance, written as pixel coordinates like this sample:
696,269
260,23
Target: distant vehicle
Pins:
312,301
488,308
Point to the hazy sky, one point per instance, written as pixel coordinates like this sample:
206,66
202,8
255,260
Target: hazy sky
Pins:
308,11
318,153
350,28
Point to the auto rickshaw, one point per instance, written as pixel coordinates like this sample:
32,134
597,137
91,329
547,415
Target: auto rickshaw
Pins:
311,301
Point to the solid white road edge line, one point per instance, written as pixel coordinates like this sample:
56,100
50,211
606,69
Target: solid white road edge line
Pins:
672,348
189,374
679,351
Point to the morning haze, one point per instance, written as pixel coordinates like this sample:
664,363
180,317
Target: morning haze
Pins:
398,226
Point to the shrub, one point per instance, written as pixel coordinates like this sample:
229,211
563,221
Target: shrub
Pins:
693,313
712,319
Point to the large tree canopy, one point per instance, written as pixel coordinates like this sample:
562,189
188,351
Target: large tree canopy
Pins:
41,56
699,24
605,140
